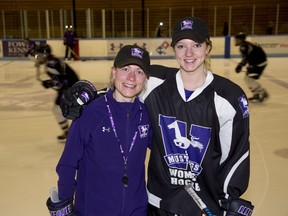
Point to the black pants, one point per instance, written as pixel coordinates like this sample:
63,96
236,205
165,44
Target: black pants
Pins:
255,72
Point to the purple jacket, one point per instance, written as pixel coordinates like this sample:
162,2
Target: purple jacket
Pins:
92,154
69,37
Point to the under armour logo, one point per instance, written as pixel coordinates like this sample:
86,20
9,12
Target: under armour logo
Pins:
105,129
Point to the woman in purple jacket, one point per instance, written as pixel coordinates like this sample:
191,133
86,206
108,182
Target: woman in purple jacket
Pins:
102,164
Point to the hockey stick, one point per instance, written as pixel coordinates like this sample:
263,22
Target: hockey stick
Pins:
198,201
72,51
77,56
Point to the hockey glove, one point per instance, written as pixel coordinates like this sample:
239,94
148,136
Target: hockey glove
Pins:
63,208
74,99
47,83
238,68
238,207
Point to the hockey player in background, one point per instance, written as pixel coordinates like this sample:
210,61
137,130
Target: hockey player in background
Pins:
31,50
62,76
255,58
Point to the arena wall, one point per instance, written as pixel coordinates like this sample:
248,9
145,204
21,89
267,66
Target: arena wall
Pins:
95,49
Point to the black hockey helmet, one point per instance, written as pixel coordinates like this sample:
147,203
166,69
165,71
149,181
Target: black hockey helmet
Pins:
240,38
45,50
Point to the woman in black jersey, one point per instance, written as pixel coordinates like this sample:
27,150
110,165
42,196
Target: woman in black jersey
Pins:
201,132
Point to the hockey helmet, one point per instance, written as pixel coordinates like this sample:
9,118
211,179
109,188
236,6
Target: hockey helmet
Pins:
45,49
43,53
239,38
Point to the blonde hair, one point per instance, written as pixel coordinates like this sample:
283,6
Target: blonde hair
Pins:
207,61
111,79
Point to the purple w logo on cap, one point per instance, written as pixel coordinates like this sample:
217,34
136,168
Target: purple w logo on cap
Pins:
137,52
186,24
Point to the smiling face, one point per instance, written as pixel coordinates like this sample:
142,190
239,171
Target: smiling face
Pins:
191,55
129,81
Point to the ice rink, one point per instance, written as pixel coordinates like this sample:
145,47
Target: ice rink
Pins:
29,150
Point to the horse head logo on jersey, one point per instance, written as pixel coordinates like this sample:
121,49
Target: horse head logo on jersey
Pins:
184,151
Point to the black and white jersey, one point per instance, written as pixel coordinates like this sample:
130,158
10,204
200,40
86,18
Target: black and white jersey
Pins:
202,141
252,54
61,73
